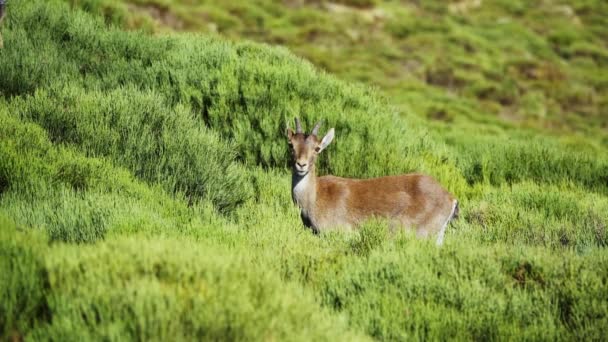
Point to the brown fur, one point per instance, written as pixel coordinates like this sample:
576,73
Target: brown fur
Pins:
413,201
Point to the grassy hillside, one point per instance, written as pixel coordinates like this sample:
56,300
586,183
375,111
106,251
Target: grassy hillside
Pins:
531,64
144,194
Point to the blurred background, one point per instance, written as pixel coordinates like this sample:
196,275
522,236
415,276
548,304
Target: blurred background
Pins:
539,65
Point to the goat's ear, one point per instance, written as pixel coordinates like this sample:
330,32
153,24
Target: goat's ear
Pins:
326,140
289,133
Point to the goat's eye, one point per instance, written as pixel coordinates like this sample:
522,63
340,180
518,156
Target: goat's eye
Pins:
317,149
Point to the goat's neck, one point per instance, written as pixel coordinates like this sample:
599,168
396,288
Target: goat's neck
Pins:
304,191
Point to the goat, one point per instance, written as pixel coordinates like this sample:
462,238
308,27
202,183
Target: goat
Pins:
414,201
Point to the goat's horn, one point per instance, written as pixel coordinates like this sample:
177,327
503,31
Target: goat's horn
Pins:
298,126
315,131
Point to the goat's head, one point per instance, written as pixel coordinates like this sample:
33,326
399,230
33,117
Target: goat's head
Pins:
306,147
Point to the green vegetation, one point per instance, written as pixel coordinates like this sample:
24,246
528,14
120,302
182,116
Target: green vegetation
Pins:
144,188
530,64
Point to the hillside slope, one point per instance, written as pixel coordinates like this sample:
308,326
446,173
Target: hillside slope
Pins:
144,194
519,64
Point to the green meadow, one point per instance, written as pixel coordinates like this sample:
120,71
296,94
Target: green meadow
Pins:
145,178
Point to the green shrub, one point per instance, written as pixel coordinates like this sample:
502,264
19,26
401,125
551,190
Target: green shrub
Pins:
136,130
175,289
23,281
64,214
371,236
559,217
79,199
461,291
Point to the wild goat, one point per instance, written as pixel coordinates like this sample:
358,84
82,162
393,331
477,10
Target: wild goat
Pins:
412,201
